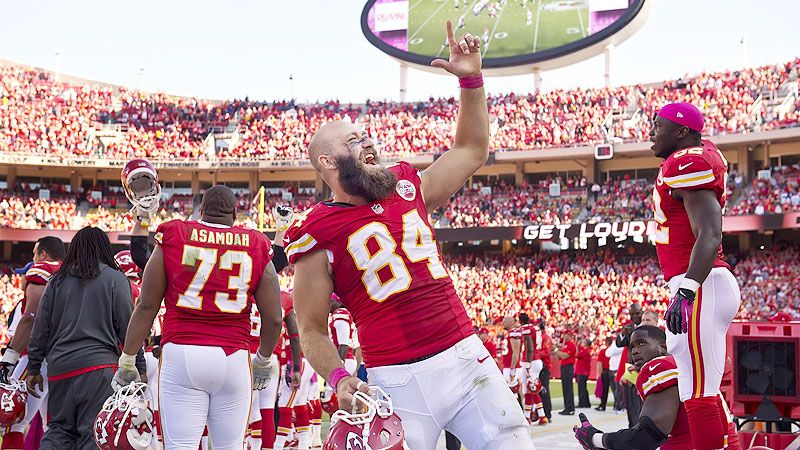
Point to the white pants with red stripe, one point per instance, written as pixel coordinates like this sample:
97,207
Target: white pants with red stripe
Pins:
265,398
201,386
460,390
289,396
700,353
32,404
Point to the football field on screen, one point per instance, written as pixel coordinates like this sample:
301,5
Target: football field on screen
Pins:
515,27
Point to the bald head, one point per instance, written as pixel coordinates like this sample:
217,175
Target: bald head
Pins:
328,139
219,205
509,323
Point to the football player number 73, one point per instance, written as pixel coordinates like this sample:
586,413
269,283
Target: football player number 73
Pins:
205,259
417,244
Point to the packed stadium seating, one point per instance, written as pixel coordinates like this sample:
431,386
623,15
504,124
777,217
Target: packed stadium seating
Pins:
41,115
495,204
10,294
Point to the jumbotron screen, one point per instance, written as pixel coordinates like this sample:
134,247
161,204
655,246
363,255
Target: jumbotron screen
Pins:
511,31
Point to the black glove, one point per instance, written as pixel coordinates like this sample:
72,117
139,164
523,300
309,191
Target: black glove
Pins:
679,311
585,433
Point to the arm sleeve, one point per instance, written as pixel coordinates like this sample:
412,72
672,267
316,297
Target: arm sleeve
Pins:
37,346
279,259
140,250
122,305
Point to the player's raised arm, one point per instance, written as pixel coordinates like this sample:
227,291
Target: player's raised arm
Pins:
313,287
471,144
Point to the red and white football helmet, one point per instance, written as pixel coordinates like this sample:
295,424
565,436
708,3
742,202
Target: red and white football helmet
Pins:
140,180
534,385
376,428
126,265
513,384
125,422
13,396
329,401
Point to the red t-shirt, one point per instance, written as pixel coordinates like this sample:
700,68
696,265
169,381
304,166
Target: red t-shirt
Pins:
388,271
582,362
212,273
603,359
570,349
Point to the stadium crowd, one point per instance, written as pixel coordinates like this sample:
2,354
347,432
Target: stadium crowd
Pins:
496,203
41,115
596,287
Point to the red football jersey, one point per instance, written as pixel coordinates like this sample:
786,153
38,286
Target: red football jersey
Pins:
341,324
658,375
691,169
528,330
388,272
255,325
212,272
136,289
39,273
513,334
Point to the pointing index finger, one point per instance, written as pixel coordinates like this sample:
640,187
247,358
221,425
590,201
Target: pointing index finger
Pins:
451,38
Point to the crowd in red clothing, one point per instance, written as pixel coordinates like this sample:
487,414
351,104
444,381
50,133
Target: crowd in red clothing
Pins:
41,115
779,193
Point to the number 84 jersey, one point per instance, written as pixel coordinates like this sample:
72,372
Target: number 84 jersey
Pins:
691,168
387,271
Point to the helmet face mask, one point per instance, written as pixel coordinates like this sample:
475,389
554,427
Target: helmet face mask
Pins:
125,422
140,183
371,424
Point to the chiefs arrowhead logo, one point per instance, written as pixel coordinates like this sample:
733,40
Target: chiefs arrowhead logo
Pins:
356,442
406,189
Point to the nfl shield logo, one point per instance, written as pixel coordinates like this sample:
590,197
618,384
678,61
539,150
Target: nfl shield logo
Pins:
377,209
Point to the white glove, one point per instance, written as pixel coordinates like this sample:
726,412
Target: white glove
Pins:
283,216
126,372
7,365
262,371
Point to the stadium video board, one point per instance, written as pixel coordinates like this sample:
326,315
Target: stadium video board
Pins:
514,33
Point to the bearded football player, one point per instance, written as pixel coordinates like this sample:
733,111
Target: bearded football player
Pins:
688,201
373,246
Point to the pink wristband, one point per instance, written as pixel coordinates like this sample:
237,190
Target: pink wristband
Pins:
336,376
471,82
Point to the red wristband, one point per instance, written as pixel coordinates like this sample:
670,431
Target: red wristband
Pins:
471,82
336,376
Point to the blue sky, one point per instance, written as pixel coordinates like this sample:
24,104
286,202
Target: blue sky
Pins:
234,49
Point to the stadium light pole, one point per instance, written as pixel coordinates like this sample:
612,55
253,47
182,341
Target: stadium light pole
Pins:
403,81
58,66
609,50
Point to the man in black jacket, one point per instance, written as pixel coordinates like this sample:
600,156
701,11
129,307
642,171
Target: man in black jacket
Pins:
79,327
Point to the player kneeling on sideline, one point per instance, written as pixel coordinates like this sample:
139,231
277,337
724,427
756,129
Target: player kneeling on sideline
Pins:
663,422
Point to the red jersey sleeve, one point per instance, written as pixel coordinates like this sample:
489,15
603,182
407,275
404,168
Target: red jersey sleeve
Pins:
657,375
696,168
40,273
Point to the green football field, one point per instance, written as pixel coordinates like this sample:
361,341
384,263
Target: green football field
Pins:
516,27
